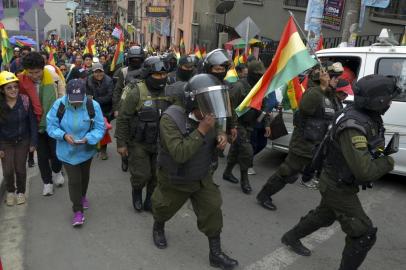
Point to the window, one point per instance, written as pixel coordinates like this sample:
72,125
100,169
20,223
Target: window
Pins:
10,3
254,2
394,67
396,10
296,3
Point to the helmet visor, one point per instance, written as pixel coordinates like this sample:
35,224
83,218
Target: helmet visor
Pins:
214,100
158,67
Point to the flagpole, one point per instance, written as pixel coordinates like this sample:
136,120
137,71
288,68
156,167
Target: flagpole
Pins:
304,34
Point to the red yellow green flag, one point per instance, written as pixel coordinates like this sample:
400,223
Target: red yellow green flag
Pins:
119,54
236,57
203,52
198,54
90,47
293,94
6,49
52,54
231,76
291,59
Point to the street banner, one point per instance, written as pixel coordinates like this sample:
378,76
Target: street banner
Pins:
157,11
333,13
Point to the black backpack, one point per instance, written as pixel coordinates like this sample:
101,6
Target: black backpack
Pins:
89,108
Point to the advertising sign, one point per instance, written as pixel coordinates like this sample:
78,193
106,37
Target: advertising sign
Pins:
157,11
333,13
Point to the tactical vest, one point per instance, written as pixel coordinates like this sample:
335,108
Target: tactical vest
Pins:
196,168
148,113
313,128
351,118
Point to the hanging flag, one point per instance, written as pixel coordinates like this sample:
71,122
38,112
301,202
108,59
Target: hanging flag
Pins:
119,54
231,76
293,94
403,41
320,45
198,54
6,49
291,59
90,47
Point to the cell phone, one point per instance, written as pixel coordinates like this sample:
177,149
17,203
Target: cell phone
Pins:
79,141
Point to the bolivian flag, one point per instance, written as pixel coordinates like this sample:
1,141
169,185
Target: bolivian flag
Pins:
119,53
198,54
90,47
293,95
5,47
291,59
231,76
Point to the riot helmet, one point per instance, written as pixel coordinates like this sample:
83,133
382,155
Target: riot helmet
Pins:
186,68
170,61
216,63
256,70
154,73
135,57
209,95
375,93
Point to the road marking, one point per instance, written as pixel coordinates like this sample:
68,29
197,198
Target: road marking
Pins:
12,233
283,257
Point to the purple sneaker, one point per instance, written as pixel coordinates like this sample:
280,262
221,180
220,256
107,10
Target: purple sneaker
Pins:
78,219
85,203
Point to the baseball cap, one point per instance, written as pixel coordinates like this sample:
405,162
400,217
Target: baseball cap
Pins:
344,86
16,49
76,91
97,66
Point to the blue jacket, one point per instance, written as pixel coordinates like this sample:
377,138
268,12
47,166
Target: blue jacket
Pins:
75,122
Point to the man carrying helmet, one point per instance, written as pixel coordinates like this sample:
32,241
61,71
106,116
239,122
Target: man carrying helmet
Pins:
354,158
142,104
188,140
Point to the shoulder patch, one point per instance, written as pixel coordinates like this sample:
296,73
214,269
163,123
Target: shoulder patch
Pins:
359,142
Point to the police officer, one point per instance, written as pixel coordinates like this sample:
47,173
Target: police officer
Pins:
135,58
137,129
171,62
188,141
241,151
353,159
311,121
185,70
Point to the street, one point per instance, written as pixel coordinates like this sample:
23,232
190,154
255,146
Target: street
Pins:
39,236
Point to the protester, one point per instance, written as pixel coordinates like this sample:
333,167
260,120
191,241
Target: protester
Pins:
37,82
76,144
18,136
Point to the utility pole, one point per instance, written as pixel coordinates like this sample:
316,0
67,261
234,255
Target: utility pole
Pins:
351,27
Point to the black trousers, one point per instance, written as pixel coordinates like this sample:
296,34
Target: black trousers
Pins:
13,165
47,160
78,182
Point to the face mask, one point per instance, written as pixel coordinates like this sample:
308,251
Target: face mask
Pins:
253,78
184,74
155,84
220,75
135,63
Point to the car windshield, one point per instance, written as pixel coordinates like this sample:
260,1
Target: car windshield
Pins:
394,67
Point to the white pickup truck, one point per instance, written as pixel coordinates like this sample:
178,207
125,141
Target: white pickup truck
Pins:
363,61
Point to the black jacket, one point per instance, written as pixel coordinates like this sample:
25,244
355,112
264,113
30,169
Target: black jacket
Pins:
102,92
19,123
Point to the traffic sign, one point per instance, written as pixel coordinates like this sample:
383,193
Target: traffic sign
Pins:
43,17
247,29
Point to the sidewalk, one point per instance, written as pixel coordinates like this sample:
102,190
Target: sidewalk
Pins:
2,187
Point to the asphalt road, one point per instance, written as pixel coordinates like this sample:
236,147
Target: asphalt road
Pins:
39,236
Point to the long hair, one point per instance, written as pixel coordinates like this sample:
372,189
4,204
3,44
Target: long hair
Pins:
3,106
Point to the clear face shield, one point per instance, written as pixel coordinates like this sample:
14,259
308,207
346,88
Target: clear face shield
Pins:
214,100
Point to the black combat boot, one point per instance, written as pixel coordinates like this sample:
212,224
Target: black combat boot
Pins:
295,244
264,197
217,257
124,164
158,233
147,202
245,183
228,174
137,199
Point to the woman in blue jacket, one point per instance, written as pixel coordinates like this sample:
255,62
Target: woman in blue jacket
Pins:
76,122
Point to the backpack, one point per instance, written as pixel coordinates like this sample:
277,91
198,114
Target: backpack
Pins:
89,108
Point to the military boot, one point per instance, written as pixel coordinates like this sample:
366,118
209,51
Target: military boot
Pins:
217,257
264,197
228,174
158,233
147,202
137,198
295,244
245,183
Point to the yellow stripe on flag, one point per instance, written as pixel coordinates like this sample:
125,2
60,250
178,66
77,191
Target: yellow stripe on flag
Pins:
294,45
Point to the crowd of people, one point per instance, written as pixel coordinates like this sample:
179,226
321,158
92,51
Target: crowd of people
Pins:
174,118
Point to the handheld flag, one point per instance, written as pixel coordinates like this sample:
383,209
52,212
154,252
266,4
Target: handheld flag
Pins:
198,54
320,45
52,58
293,94
236,57
90,47
231,76
6,49
203,52
291,59
119,54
